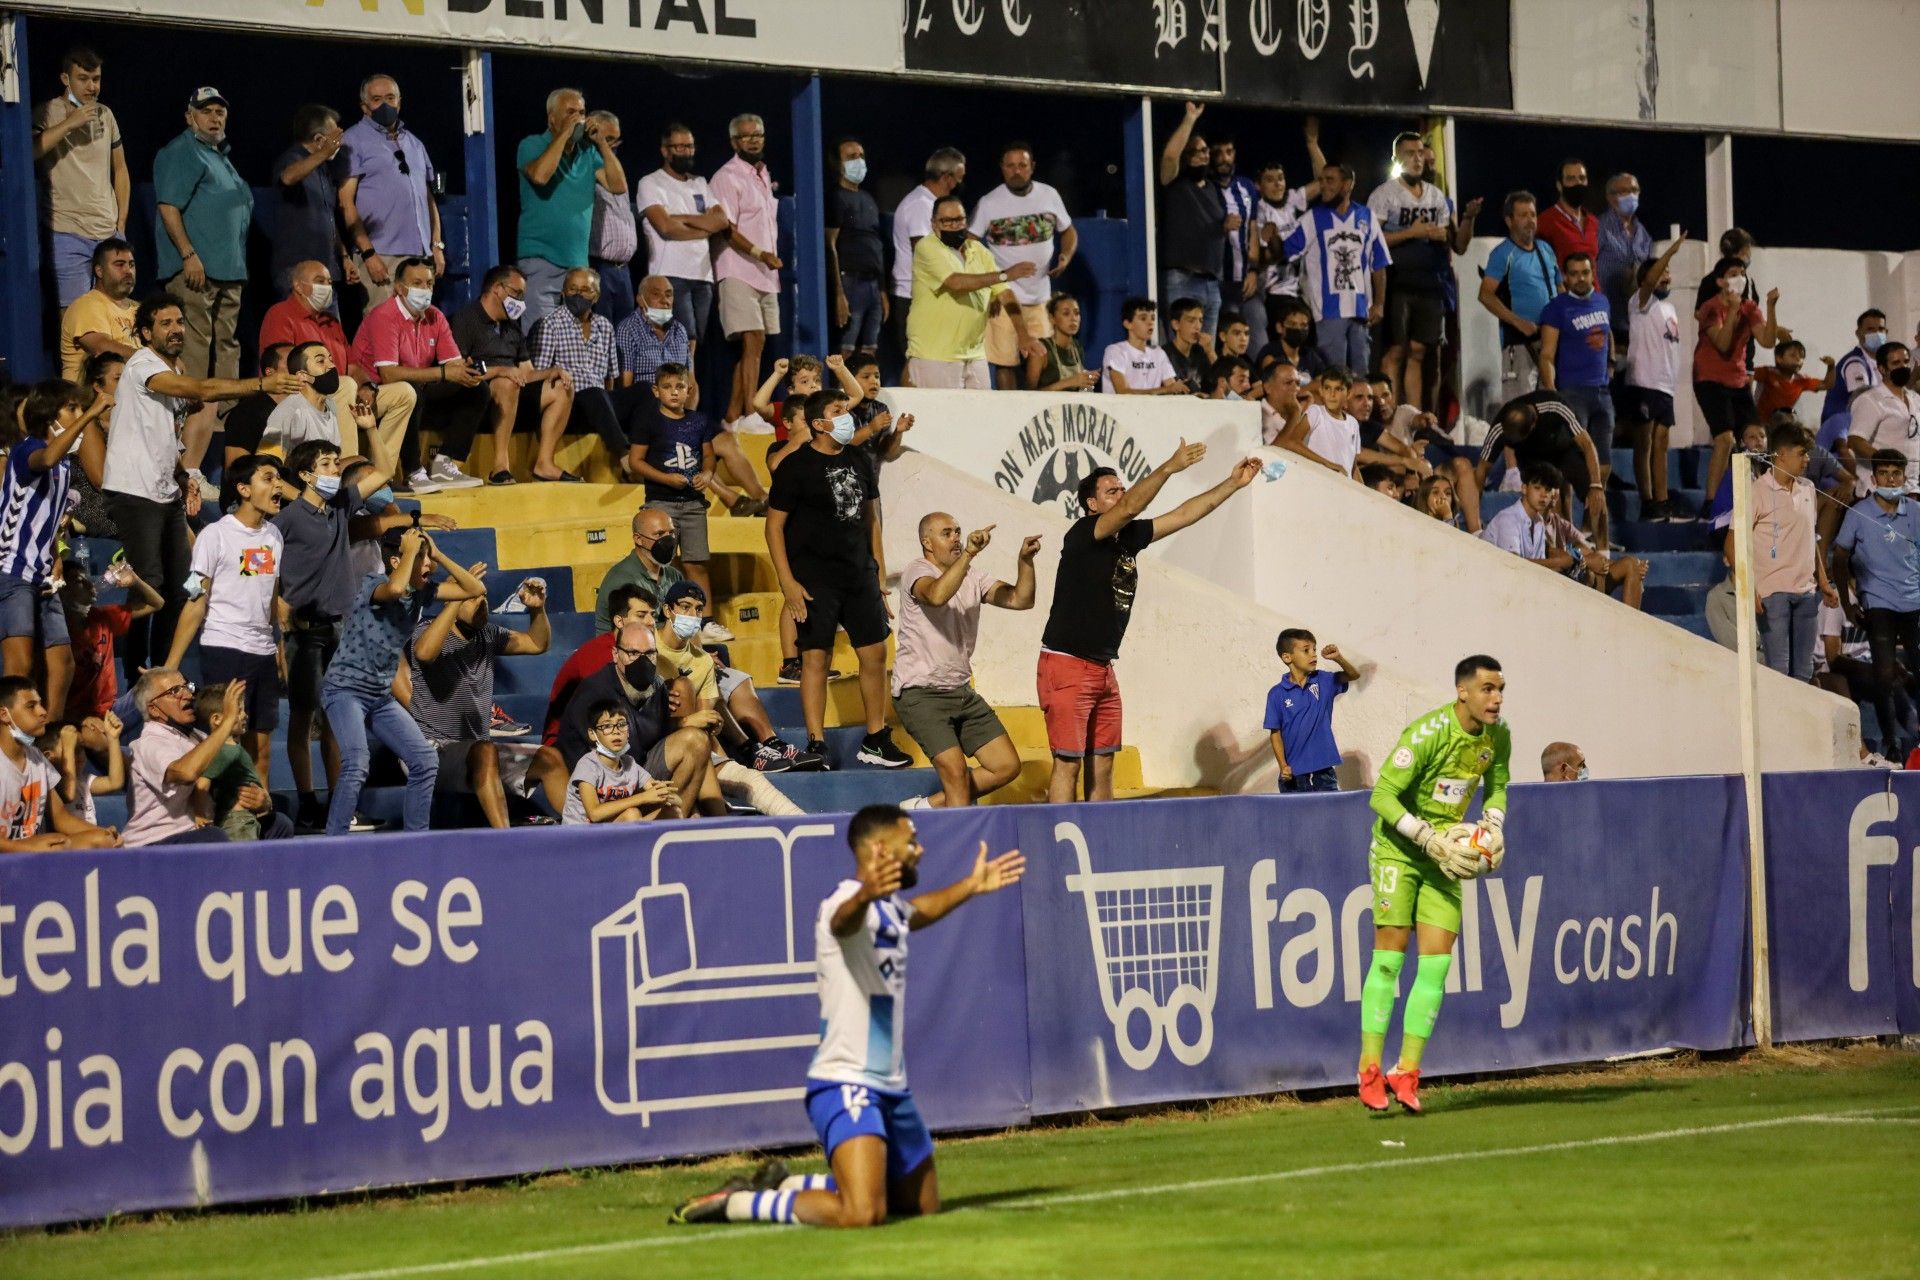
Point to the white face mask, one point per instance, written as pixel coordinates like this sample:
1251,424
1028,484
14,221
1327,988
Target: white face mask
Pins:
608,753
685,626
418,300
515,307
660,316
321,296
20,735
843,429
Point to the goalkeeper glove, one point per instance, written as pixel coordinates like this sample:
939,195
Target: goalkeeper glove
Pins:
1457,861
1494,822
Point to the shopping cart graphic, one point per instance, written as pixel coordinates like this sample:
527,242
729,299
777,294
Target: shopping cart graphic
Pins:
1156,946
674,1031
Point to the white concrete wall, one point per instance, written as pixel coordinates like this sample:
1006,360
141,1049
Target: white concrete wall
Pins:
1405,598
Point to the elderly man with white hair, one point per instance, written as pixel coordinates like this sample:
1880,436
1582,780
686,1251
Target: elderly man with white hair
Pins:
560,170
577,338
746,268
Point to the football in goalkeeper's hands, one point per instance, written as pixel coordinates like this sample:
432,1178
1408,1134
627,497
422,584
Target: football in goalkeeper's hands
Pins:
1485,843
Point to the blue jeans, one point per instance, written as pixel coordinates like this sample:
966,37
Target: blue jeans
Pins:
1205,290
545,280
1343,343
863,315
1319,780
350,715
1594,407
616,290
692,306
1787,627
72,266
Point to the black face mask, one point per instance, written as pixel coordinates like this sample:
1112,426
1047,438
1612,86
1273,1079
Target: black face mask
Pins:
1900,377
1294,337
386,115
578,303
953,239
1576,195
665,548
680,164
327,383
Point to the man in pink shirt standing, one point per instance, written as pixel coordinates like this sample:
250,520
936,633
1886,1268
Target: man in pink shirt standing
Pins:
746,268
1787,564
940,598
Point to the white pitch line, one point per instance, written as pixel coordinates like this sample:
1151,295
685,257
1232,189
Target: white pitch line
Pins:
1863,1116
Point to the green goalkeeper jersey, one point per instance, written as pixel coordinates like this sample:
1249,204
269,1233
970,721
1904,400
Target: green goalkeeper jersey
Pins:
1432,772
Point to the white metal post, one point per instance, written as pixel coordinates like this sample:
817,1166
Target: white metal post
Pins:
1746,609
1149,211
1719,187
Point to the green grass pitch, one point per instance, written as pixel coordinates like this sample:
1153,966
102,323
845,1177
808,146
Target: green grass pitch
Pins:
1795,1164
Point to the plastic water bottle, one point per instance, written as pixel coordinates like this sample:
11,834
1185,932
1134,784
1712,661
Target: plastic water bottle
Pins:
1275,469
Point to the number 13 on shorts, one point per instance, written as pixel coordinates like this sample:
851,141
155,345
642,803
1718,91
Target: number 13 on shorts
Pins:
1386,881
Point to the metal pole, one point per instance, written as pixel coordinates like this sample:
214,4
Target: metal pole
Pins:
482,175
1746,610
1719,185
1143,184
810,178
21,319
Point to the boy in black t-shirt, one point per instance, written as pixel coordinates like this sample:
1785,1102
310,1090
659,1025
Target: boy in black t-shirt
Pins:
671,448
1092,602
823,530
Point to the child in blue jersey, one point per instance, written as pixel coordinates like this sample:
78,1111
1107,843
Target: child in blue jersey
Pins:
857,1095
33,500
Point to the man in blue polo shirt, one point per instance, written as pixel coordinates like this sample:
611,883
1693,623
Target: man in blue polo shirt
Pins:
1876,570
1576,343
1300,713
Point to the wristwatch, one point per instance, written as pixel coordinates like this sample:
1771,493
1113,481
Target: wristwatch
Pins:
439,244
1002,277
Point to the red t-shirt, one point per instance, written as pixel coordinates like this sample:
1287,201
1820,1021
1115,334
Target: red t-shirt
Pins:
293,322
96,676
1710,364
587,659
1777,391
1557,229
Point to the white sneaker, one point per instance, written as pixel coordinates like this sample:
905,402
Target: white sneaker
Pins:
1874,760
447,473
714,633
209,491
751,424
917,802
418,482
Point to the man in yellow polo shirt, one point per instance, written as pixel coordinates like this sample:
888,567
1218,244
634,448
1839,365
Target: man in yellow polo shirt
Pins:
101,319
956,286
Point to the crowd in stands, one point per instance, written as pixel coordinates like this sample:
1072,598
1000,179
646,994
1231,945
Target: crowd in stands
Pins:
301,579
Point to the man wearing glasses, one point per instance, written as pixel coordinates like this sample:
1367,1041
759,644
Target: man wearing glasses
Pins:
165,805
386,192
956,286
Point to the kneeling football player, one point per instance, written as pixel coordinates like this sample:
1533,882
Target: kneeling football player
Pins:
857,1097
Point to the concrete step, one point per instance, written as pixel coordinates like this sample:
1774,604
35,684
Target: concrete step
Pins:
1683,568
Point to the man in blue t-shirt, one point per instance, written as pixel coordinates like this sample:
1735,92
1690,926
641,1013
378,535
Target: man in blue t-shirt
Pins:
1576,345
1299,719
1520,278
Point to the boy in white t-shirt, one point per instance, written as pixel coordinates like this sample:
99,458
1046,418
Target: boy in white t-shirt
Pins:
608,785
1651,373
31,817
1132,367
1326,433
233,602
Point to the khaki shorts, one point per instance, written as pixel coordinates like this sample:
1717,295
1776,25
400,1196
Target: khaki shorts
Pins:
1003,344
942,719
744,309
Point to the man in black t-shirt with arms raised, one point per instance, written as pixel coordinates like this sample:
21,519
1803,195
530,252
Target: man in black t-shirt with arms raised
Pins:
823,532
1541,427
1092,600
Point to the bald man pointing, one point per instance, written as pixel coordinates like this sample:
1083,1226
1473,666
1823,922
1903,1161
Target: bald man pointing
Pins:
940,598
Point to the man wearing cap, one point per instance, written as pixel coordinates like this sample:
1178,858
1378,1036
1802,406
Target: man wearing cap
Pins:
201,251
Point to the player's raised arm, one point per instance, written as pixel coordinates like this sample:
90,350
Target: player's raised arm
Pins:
988,876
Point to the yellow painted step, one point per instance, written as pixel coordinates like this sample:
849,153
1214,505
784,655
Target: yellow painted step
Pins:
751,613
759,657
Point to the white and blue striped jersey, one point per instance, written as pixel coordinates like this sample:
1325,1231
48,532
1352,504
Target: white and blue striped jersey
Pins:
863,990
31,504
1342,250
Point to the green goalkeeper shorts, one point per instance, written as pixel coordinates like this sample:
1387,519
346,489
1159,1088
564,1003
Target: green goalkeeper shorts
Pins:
1410,890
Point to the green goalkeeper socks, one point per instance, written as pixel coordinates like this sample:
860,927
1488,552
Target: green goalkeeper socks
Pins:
1423,1007
1376,1004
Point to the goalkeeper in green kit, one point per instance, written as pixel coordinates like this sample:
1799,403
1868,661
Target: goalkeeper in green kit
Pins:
1420,855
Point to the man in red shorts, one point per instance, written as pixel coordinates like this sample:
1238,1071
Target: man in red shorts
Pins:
1092,600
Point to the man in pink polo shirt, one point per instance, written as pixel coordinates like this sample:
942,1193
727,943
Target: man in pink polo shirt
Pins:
306,315
746,268
1790,574
406,339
